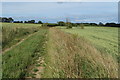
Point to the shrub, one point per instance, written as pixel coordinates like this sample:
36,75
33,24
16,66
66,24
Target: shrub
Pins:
69,25
82,26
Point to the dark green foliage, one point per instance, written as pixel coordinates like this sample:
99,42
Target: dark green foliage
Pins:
61,23
52,24
101,24
69,25
4,19
18,22
35,70
40,22
31,21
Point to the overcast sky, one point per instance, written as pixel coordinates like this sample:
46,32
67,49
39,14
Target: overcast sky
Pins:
53,11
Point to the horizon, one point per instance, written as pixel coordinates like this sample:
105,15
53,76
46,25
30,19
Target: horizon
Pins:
52,12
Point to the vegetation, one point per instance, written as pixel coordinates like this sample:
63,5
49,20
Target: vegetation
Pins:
79,52
75,57
82,26
60,23
68,25
16,61
12,33
35,70
105,39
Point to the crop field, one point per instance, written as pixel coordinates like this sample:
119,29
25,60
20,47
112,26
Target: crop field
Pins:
105,39
74,56
35,51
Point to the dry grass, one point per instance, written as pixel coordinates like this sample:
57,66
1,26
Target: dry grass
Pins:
72,57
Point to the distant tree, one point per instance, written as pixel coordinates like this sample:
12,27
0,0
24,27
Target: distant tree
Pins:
93,24
61,23
18,22
40,22
21,21
4,19
25,22
101,24
10,20
69,25
32,21
110,24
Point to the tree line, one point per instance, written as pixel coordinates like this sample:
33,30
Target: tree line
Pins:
60,23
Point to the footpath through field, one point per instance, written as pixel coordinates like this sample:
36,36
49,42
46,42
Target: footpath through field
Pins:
18,43
27,53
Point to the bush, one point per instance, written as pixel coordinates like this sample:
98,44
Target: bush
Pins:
69,25
82,26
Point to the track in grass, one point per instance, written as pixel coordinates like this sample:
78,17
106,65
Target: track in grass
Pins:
13,46
16,61
64,55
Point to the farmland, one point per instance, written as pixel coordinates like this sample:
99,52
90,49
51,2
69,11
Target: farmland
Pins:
105,39
34,51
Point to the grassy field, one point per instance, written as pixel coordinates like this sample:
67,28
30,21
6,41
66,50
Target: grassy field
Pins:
105,39
72,56
16,61
13,33
40,52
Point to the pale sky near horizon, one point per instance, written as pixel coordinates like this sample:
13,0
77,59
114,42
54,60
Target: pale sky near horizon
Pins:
59,0
53,11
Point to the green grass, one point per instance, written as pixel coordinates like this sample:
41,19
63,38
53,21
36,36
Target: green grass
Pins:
13,33
35,70
37,65
84,53
105,39
16,61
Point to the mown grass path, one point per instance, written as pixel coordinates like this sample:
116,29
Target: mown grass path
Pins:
16,61
17,43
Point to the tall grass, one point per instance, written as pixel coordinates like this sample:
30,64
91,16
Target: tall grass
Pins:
105,39
72,57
